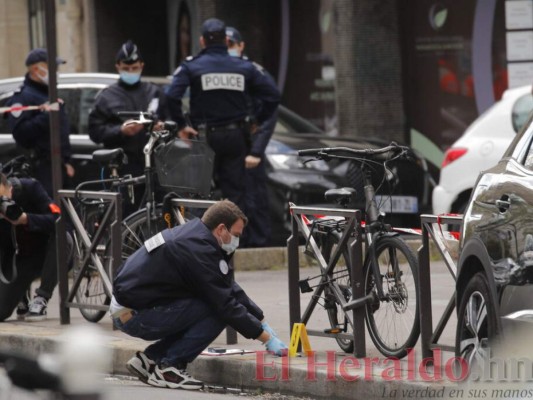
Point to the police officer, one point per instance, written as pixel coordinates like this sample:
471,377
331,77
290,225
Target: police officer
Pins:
130,93
258,231
31,129
220,89
179,289
27,246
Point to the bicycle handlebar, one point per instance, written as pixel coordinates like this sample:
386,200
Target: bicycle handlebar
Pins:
325,151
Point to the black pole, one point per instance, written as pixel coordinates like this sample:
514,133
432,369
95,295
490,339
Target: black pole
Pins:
55,140
55,144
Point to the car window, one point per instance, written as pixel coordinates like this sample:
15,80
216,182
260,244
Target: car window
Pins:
78,102
528,163
521,109
3,117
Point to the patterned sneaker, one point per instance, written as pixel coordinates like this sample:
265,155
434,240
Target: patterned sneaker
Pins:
23,307
174,378
37,310
141,366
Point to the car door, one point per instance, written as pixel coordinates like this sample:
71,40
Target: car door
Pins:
513,197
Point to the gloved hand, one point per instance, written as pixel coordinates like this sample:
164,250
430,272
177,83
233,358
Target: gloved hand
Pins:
268,328
276,346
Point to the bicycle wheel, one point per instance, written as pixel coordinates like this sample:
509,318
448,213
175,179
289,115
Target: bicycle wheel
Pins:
135,230
393,321
91,289
340,274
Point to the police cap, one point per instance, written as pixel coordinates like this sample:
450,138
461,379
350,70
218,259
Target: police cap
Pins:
213,29
233,35
128,53
40,55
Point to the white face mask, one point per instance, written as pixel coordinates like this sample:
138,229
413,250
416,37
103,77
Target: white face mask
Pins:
44,78
232,245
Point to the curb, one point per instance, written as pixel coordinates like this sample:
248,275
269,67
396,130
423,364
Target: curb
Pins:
235,371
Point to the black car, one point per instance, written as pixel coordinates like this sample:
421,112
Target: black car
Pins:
495,270
289,178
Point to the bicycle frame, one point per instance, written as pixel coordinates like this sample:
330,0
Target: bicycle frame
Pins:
326,268
299,224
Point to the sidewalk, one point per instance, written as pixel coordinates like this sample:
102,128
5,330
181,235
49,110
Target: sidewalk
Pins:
330,373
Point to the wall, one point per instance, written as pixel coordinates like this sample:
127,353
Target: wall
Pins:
368,70
14,37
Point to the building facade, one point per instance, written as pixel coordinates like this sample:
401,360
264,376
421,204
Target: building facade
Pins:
415,71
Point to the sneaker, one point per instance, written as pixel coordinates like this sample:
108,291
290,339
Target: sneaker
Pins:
23,307
37,311
141,366
174,378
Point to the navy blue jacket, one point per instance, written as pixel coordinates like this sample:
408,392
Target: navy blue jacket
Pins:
31,129
105,124
189,264
219,86
42,213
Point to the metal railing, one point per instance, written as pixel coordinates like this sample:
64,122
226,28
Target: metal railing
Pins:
112,219
430,338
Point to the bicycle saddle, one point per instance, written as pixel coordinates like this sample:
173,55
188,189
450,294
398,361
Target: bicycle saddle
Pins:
115,156
342,196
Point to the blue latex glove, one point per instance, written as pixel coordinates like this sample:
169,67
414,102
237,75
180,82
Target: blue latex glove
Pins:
276,346
268,328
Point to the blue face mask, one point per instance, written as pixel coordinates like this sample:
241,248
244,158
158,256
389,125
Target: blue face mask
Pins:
130,78
234,52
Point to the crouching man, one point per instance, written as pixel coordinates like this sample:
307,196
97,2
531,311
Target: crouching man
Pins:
179,290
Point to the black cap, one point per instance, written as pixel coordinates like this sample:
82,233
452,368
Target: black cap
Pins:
213,28
233,35
128,53
40,55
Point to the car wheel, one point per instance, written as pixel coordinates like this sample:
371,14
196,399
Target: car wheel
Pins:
477,324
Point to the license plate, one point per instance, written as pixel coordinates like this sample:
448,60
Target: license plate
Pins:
398,204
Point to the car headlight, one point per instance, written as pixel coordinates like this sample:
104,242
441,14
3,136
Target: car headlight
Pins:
292,161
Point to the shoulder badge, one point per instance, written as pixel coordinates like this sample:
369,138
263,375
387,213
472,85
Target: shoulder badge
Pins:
224,268
258,67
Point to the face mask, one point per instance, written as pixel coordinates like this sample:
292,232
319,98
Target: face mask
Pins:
130,78
43,78
232,245
234,52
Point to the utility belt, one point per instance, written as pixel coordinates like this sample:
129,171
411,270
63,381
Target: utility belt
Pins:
242,126
227,127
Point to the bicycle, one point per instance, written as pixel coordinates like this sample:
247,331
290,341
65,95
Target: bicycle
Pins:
140,225
389,265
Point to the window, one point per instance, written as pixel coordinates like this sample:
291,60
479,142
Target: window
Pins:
78,102
37,24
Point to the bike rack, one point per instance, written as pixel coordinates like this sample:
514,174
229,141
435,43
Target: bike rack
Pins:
428,337
112,219
231,334
357,316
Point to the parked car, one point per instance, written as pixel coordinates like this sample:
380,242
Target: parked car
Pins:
289,178
494,291
479,148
